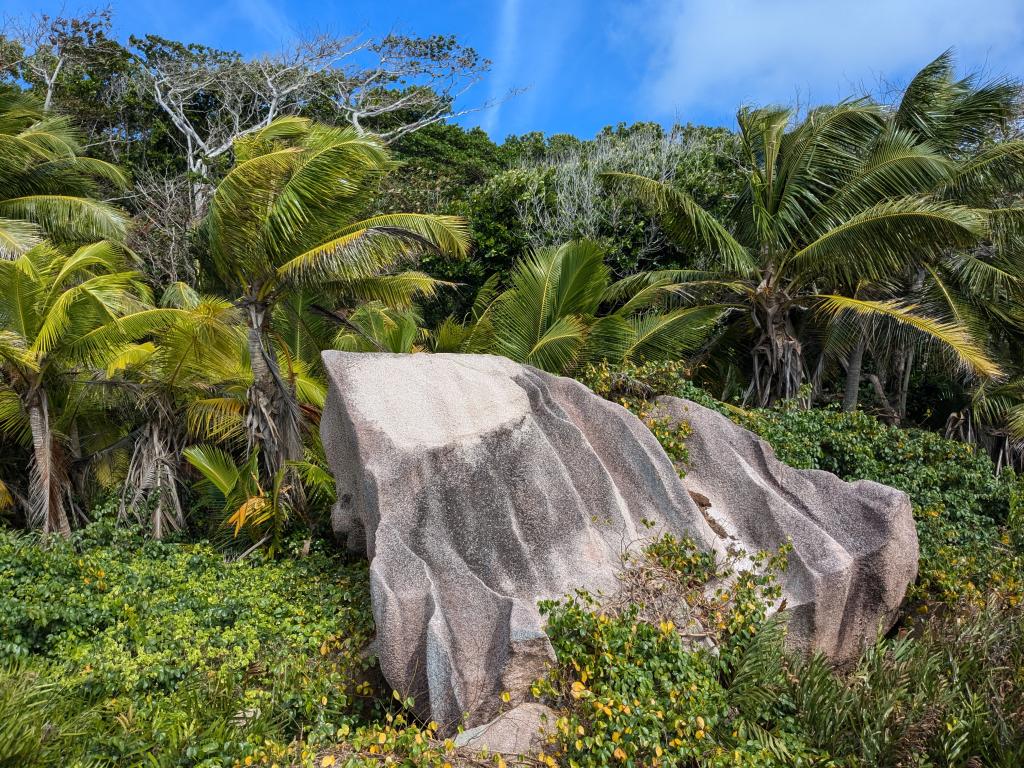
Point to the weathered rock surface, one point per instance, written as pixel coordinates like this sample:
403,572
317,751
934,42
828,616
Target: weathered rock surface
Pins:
520,731
478,486
854,544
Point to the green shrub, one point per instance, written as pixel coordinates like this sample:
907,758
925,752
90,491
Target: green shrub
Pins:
676,687
180,653
952,694
635,689
959,501
930,469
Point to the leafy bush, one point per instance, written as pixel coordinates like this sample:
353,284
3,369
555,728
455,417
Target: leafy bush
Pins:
959,501
931,469
667,687
635,688
176,652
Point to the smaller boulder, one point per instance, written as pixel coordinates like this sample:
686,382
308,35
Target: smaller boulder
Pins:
518,732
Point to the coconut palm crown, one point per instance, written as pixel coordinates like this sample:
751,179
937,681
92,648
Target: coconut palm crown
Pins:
62,316
836,202
47,188
291,217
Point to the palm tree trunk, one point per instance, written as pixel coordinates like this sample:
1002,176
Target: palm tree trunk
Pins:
904,385
45,493
853,369
778,363
153,474
272,414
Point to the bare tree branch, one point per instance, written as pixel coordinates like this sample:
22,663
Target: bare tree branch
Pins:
391,87
50,44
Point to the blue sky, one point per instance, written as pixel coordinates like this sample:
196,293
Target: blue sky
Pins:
589,63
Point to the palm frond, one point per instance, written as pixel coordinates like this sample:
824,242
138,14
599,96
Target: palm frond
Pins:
217,418
67,218
879,241
671,335
371,245
18,236
216,465
686,221
951,336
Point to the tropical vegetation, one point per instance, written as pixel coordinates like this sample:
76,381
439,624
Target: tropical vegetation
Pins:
183,231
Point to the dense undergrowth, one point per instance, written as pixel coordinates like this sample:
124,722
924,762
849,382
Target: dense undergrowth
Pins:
119,650
969,518
635,691
116,650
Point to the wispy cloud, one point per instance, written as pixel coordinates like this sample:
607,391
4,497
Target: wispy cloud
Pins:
711,55
505,60
266,17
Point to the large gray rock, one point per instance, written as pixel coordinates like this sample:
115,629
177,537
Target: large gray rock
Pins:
478,486
854,544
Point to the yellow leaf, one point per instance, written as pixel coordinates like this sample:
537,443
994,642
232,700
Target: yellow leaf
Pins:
506,696
327,761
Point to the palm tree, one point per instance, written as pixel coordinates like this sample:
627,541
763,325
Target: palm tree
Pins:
47,188
246,505
61,316
833,204
290,216
193,354
375,327
551,315
962,120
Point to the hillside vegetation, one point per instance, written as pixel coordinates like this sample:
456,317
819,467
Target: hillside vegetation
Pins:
183,231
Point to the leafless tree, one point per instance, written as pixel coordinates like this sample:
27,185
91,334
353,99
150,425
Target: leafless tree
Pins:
48,45
390,86
410,83
215,97
163,226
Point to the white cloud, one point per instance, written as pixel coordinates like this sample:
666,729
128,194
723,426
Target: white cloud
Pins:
266,17
505,60
713,56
